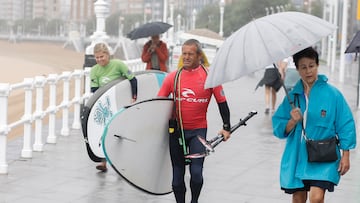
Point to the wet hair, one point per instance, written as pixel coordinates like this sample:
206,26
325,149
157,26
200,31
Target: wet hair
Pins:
306,53
196,43
101,47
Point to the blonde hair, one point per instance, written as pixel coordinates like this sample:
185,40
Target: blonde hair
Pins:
101,47
203,61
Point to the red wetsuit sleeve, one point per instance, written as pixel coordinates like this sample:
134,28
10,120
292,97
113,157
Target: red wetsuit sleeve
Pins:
219,94
168,85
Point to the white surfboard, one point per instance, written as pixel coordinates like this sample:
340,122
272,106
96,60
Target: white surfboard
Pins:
108,100
136,144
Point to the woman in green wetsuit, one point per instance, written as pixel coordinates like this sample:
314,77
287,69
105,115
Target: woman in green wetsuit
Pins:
105,71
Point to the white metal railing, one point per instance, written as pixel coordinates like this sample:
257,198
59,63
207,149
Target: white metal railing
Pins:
38,84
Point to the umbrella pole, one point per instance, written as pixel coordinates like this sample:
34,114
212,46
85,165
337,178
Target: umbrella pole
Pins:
287,95
358,88
286,91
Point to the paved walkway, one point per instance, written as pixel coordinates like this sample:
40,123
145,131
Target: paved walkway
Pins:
243,170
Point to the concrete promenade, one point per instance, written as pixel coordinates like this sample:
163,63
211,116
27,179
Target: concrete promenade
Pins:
243,170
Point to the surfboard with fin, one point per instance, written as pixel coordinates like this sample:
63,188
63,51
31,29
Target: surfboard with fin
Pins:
136,144
107,100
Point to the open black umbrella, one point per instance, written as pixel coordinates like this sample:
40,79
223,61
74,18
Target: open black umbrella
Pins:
149,29
354,47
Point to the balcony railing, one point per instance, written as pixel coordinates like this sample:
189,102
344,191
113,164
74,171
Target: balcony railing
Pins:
75,88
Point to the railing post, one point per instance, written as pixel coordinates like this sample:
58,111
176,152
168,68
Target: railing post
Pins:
65,131
135,65
87,85
77,99
4,129
52,80
39,113
26,151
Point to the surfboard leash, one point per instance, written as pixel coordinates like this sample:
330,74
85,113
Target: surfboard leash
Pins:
178,113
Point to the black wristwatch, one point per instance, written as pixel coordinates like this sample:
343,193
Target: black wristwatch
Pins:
227,127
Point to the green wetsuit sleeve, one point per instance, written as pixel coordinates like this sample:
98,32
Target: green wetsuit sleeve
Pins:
125,71
94,81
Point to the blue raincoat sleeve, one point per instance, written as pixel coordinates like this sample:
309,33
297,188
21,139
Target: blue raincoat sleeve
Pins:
290,155
345,125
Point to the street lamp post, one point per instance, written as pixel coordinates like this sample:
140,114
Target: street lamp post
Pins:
343,40
171,22
178,22
221,5
165,10
334,44
102,10
193,19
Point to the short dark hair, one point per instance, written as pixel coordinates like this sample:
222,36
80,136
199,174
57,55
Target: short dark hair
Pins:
309,52
196,43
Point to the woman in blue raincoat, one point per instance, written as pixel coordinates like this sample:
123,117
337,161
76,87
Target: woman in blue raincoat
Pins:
322,111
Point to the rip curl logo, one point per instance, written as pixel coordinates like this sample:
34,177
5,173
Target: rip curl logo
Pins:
186,92
105,80
189,95
103,112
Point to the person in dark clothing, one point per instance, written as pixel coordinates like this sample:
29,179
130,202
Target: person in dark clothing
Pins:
155,54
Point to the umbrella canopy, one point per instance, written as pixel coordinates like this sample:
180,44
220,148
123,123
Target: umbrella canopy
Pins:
264,41
148,29
354,46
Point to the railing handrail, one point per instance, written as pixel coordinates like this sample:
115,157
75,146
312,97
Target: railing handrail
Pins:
80,77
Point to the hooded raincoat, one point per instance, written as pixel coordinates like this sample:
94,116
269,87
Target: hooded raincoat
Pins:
328,115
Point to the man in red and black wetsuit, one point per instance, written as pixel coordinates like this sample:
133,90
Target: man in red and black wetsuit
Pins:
192,101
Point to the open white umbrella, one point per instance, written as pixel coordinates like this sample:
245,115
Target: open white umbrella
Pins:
264,41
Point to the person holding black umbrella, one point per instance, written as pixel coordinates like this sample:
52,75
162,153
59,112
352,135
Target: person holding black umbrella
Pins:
155,54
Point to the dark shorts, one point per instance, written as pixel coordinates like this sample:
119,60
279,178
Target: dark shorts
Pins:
326,185
271,78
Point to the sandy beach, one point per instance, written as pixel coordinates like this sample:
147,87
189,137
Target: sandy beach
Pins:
27,60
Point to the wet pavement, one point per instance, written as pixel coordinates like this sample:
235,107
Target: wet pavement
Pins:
243,170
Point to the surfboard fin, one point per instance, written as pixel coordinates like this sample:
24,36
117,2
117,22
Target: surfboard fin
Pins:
125,138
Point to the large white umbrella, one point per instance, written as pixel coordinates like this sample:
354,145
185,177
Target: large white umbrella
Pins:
264,41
